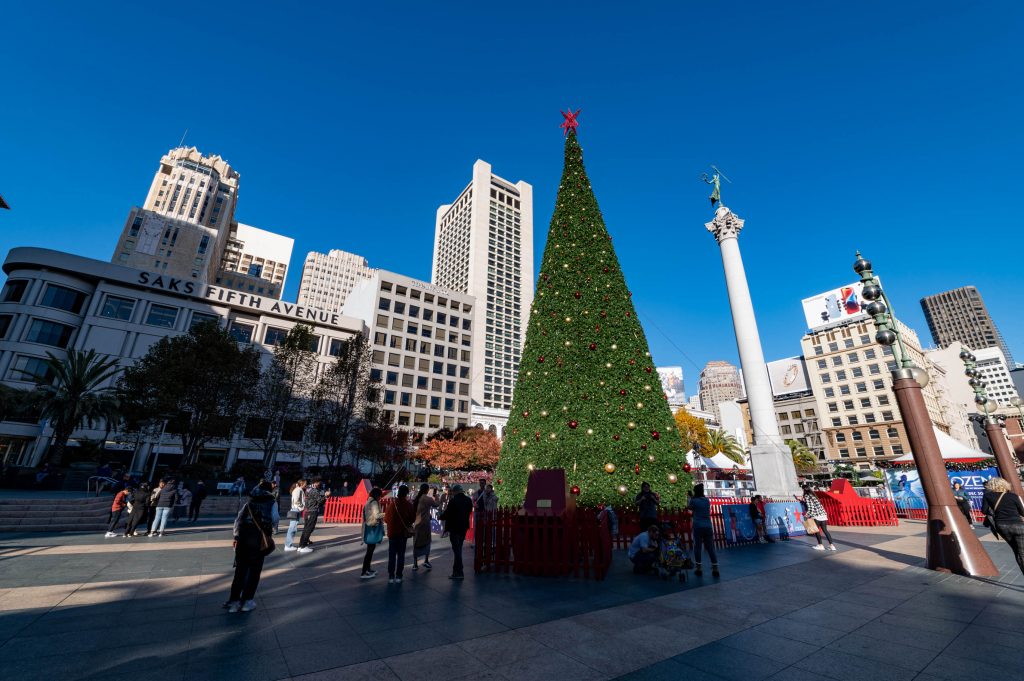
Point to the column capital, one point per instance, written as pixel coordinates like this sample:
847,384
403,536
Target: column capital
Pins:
726,225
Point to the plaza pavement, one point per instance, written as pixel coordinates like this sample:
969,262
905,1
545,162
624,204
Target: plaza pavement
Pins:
78,606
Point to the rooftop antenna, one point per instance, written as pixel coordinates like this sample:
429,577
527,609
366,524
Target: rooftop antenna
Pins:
182,143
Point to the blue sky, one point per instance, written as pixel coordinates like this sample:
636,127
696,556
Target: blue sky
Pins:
890,127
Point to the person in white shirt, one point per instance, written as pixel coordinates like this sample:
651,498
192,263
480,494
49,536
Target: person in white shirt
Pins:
294,513
643,551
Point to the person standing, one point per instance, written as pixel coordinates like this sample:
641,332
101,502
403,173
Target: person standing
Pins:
154,494
398,519
197,500
647,503
120,504
252,544
183,502
479,507
275,490
963,502
1004,513
298,503
456,517
422,532
757,516
140,510
814,509
314,502
703,533
165,500
373,530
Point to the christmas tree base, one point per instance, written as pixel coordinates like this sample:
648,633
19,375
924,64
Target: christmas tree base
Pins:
773,470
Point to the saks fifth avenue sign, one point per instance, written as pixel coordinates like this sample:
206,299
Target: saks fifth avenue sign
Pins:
224,296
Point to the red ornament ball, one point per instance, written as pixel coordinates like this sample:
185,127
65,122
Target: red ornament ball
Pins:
629,314
632,362
643,447
687,468
573,424
575,489
540,359
604,313
648,369
616,437
578,295
593,346
498,481
526,414
655,435
636,469
605,269
622,392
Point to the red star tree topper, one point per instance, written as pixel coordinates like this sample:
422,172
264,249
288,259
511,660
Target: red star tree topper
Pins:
570,122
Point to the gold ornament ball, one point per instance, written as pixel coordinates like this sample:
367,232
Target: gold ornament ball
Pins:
631,425
568,343
590,431
609,467
650,457
530,467
622,489
607,365
544,413
614,346
552,436
522,443
647,388
673,478
639,405
568,319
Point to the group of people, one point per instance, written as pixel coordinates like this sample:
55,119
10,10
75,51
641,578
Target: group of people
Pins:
140,505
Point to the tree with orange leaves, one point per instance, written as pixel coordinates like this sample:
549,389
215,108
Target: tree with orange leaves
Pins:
467,449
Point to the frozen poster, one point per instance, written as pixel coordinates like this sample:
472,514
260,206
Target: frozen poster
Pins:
784,519
739,527
906,488
973,482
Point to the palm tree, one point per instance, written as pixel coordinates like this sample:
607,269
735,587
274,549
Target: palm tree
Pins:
803,458
726,443
74,396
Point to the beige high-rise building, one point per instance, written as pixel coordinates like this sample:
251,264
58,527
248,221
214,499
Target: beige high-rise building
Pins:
329,278
719,382
483,246
184,224
961,315
256,261
857,411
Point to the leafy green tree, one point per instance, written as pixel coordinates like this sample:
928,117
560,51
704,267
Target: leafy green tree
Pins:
75,392
283,391
199,380
721,441
587,394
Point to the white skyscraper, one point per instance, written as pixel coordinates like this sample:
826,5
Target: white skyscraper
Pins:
483,246
328,278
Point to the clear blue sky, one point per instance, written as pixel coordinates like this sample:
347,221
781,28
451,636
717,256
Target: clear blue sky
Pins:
893,127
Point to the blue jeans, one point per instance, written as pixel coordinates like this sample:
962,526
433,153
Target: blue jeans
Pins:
396,556
457,540
289,537
704,536
160,520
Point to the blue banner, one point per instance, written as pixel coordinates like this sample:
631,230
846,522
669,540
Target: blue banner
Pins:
739,527
784,519
908,493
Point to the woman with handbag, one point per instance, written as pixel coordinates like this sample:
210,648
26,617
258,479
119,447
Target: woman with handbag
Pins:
399,519
1004,515
295,512
252,545
422,530
373,530
816,519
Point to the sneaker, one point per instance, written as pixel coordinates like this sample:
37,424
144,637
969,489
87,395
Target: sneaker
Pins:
698,572
427,566
234,607
249,605
832,547
289,547
110,534
367,575
305,549
398,580
391,580
415,568
373,573
714,571
819,547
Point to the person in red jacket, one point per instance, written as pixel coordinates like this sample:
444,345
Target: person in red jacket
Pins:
117,509
399,519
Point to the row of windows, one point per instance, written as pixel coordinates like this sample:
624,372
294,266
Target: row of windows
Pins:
428,314
877,450
868,418
873,434
436,403
415,294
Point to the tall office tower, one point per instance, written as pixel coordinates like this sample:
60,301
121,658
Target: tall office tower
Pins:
961,315
255,260
719,381
185,222
328,278
483,246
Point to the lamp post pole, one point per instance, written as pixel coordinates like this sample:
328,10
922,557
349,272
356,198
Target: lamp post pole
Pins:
993,424
952,546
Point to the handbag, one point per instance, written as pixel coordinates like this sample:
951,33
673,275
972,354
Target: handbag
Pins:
267,545
375,534
810,526
294,515
990,517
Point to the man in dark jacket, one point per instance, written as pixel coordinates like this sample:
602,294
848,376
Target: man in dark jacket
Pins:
315,497
456,522
197,501
251,533
165,501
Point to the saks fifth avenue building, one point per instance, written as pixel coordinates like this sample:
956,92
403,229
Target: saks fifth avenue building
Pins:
54,302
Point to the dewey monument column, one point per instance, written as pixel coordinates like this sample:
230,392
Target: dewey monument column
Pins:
774,474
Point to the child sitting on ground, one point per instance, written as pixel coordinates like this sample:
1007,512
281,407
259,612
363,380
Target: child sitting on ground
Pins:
672,558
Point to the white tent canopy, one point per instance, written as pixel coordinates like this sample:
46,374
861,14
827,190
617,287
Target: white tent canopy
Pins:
717,462
951,450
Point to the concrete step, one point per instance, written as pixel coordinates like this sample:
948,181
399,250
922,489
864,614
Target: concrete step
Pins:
98,527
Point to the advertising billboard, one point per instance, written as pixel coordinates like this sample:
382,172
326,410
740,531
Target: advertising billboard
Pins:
907,492
788,376
672,384
834,306
782,520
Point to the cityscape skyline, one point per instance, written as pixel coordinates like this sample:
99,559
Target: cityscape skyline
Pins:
784,205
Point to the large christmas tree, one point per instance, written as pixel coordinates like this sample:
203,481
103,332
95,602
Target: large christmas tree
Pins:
588,398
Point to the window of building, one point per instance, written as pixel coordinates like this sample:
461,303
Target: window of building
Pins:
241,333
844,453
376,375
836,421
202,318
858,436
5,324
14,290
46,332
840,437
825,378
25,368
384,304
63,298
822,364
853,421
848,404
883,400
844,389
163,316
878,450
833,347
857,372
861,451
865,402
389,397
335,346
829,392
833,407
115,307
274,336
841,375
837,361
862,387
897,450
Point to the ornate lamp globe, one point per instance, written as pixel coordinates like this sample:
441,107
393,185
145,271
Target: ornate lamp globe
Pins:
1016,402
885,336
964,356
920,375
871,292
862,264
875,308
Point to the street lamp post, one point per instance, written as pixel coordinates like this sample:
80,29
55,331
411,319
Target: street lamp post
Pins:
993,425
952,546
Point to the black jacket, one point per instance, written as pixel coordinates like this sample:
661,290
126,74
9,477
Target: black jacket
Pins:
168,497
256,517
456,514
